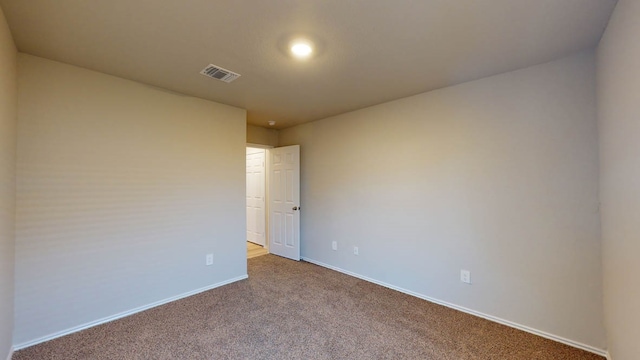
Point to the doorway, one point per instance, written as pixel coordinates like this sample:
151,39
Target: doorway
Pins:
273,201
256,202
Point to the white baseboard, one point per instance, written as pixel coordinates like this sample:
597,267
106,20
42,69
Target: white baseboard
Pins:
10,353
546,335
123,314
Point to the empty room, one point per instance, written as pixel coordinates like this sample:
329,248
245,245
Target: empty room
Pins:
289,179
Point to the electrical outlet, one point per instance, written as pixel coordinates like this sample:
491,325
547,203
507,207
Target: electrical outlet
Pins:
334,245
465,276
355,250
209,259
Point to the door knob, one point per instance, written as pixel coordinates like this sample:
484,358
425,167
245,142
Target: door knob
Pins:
296,208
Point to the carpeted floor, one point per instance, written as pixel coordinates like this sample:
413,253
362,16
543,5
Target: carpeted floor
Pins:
291,310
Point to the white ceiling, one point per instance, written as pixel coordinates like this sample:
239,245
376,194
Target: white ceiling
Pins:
371,51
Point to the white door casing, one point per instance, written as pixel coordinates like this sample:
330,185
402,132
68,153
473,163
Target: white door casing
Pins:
256,195
284,201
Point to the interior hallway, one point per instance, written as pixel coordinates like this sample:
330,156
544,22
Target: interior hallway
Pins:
254,250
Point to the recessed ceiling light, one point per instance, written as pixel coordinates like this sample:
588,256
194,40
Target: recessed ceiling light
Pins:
301,49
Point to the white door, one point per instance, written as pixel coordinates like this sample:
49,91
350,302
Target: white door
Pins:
256,196
284,201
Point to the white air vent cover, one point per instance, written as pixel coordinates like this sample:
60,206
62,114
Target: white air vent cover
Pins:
219,73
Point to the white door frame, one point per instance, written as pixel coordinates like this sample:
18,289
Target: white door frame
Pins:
266,187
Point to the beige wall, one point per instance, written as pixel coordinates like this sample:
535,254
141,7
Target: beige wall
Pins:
262,136
497,176
619,126
8,117
122,190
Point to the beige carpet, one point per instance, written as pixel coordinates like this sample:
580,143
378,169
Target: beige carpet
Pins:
292,310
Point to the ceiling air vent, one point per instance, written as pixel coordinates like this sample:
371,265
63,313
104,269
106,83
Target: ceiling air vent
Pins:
219,73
